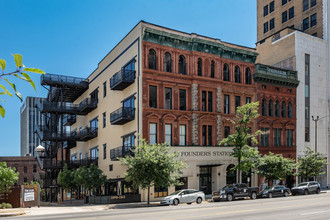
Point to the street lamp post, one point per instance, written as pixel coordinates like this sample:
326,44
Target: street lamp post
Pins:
315,120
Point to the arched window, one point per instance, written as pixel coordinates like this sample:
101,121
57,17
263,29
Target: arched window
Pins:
226,73
271,108
277,109
200,67
290,110
167,63
283,109
152,59
182,65
230,174
248,76
237,75
264,108
212,69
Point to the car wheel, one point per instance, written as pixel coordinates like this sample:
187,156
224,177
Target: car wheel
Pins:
270,195
318,191
306,192
253,195
199,200
286,194
175,202
230,197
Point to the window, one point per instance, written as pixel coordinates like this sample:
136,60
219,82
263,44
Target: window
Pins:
313,3
199,67
94,96
306,112
184,181
307,91
25,180
212,69
277,109
264,108
277,89
237,75
128,142
210,101
264,87
167,63
289,110
284,16
152,133
182,65
129,102
307,134
160,192
237,101
271,24
94,153
207,135
289,137
104,151
152,59
182,94
183,135
226,73
104,119
153,96
264,137
248,76
168,98
284,2
93,123
203,100
105,89
226,104
313,20
168,134
207,101
277,137
111,167
271,108
283,109
271,7
305,24
265,10
291,13
248,100
34,168
265,27
305,5
227,131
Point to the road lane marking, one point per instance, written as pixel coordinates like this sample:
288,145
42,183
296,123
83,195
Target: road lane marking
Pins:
312,213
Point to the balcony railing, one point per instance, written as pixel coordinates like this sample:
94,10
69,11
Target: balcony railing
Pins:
87,133
69,120
49,79
122,79
120,152
72,164
122,115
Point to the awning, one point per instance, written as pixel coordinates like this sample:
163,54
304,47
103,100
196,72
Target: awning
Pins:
210,165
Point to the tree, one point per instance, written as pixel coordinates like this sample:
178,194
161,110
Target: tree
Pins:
8,177
153,165
21,73
245,154
67,180
275,166
310,165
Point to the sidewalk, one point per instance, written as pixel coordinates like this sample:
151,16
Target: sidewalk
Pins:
11,212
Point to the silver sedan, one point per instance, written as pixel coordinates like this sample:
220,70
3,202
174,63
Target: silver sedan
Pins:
184,196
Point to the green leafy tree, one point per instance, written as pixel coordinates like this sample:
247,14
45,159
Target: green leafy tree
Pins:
310,165
153,165
21,73
66,178
245,154
275,166
8,177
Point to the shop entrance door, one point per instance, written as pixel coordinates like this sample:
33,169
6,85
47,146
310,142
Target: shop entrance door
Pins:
205,179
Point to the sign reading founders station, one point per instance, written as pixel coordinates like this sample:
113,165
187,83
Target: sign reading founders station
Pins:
204,153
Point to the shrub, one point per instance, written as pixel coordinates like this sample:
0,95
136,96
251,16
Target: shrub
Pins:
5,206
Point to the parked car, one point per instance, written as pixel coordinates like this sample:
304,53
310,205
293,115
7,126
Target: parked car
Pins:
233,191
306,188
273,191
184,196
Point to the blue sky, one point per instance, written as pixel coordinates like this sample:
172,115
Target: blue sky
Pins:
70,37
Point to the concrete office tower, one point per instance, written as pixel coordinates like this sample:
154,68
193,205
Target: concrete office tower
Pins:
30,116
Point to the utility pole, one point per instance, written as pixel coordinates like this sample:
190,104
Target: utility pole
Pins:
315,120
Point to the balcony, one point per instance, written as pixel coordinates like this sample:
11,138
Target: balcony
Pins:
72,87
87,134
122,79
122,115
85,107
86,162
69,120
120,152
69,144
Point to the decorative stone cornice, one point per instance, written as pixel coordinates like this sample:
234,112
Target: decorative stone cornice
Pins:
196,44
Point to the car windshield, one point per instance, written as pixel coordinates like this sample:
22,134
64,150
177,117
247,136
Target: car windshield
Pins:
303,184
269,188
228,186
175,193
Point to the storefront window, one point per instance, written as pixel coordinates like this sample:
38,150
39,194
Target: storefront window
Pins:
160,192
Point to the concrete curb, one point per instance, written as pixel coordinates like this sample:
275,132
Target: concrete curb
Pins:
9,212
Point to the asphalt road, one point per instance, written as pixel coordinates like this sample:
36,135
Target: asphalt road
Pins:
293,207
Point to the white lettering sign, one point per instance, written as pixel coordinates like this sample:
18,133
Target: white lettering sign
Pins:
28,195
